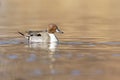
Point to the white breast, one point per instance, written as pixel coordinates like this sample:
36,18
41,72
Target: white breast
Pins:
53,38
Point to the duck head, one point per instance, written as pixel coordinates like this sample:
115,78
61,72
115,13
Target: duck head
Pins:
52,28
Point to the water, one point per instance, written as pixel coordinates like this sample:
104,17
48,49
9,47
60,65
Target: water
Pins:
89,49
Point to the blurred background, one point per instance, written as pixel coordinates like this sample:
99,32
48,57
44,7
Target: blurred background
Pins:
87,18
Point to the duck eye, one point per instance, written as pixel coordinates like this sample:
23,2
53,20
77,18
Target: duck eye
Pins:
31,34
38,34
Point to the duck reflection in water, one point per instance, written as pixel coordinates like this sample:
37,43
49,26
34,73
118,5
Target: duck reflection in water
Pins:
44,46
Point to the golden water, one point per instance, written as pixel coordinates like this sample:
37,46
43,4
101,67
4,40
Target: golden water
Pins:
89,49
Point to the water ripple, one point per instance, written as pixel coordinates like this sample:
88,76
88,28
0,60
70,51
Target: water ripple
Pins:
116,55
110,43
31,58
12,56
75,72
9,42
37,72
71,43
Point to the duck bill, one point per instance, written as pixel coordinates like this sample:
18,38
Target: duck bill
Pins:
59,31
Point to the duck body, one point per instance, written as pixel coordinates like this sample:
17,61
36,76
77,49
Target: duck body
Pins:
43,36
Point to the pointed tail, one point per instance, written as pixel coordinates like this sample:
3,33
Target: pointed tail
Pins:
21,33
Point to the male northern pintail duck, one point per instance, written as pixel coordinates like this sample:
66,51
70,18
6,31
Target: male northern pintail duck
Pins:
43,36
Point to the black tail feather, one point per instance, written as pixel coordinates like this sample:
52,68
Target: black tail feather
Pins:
21,33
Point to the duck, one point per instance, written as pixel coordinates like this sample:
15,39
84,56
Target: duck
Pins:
47,35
